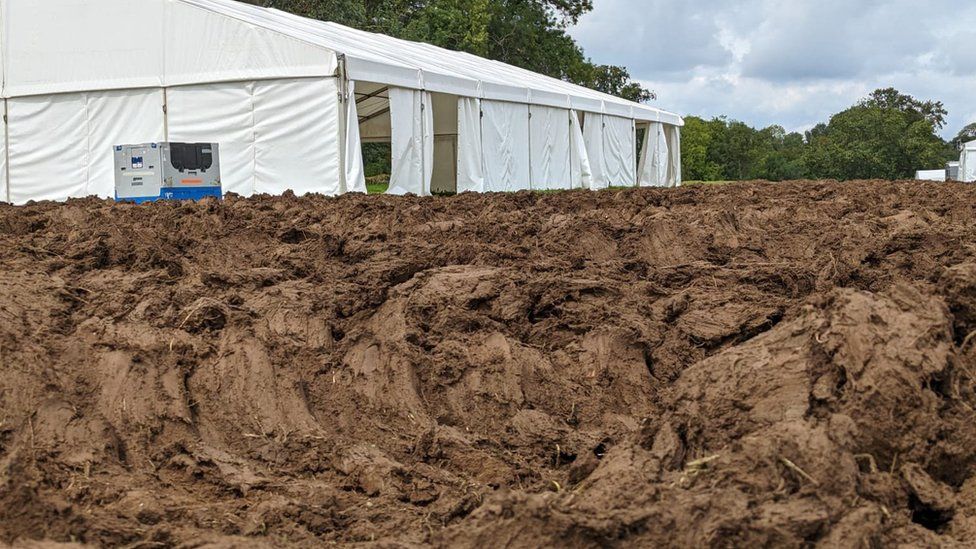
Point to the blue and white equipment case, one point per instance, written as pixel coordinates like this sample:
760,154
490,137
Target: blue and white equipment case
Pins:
167,171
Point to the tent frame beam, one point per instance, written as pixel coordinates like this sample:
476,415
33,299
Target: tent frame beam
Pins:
367,118
365,96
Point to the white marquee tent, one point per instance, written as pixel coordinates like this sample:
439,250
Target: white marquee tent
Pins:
967,163
290,100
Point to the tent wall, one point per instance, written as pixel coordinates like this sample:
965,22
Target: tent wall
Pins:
296,139
967,163
655,157
115,117
223,113
412,142
61,145
580,171
619,151
505,146
275,135
673,134
355,180
4,190
593,139
550,141
48,147
470,163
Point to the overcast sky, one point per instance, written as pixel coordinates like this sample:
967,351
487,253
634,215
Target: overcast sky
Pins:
789,62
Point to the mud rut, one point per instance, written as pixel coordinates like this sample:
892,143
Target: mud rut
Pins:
789,365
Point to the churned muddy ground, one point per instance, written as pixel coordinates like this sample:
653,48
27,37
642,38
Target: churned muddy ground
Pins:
746,365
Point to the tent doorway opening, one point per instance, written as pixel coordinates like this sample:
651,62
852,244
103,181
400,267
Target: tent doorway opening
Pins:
443,178
373,108
395,134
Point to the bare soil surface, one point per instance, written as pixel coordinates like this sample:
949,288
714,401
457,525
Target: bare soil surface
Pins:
747,365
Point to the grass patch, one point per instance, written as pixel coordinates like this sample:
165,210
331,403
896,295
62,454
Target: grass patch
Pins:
696,182
377,184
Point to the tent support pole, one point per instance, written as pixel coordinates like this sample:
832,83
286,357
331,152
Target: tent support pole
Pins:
165,116
6,149
424,183
342,82
530,182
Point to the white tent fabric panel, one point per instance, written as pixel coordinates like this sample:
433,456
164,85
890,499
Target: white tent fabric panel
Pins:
48,147
550,140
57,46
619,151
673,134
593,138
355,181
204,44
967,163
580,172
296,136
116,118
654,157
220,113
412,142
505,146
471,174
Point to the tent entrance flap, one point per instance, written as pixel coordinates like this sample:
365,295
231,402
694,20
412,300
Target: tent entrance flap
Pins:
654,157
593,139
470,159
619,151
550,144
354,172
412,141
505,146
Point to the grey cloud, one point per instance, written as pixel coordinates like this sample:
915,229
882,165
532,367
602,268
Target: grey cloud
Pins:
839,39
654,35
788,62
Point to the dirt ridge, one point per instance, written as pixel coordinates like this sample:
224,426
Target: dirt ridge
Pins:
752,364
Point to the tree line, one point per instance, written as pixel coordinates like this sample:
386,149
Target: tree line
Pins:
887,135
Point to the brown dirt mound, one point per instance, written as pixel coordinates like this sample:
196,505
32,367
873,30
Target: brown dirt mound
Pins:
747,365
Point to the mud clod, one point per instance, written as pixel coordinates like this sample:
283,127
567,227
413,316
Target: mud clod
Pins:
749,365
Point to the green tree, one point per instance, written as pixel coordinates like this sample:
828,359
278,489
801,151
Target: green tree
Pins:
965,135
891,99
696,142
871,141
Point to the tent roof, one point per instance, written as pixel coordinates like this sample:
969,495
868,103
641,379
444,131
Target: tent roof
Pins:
382,59
70,46
63,46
